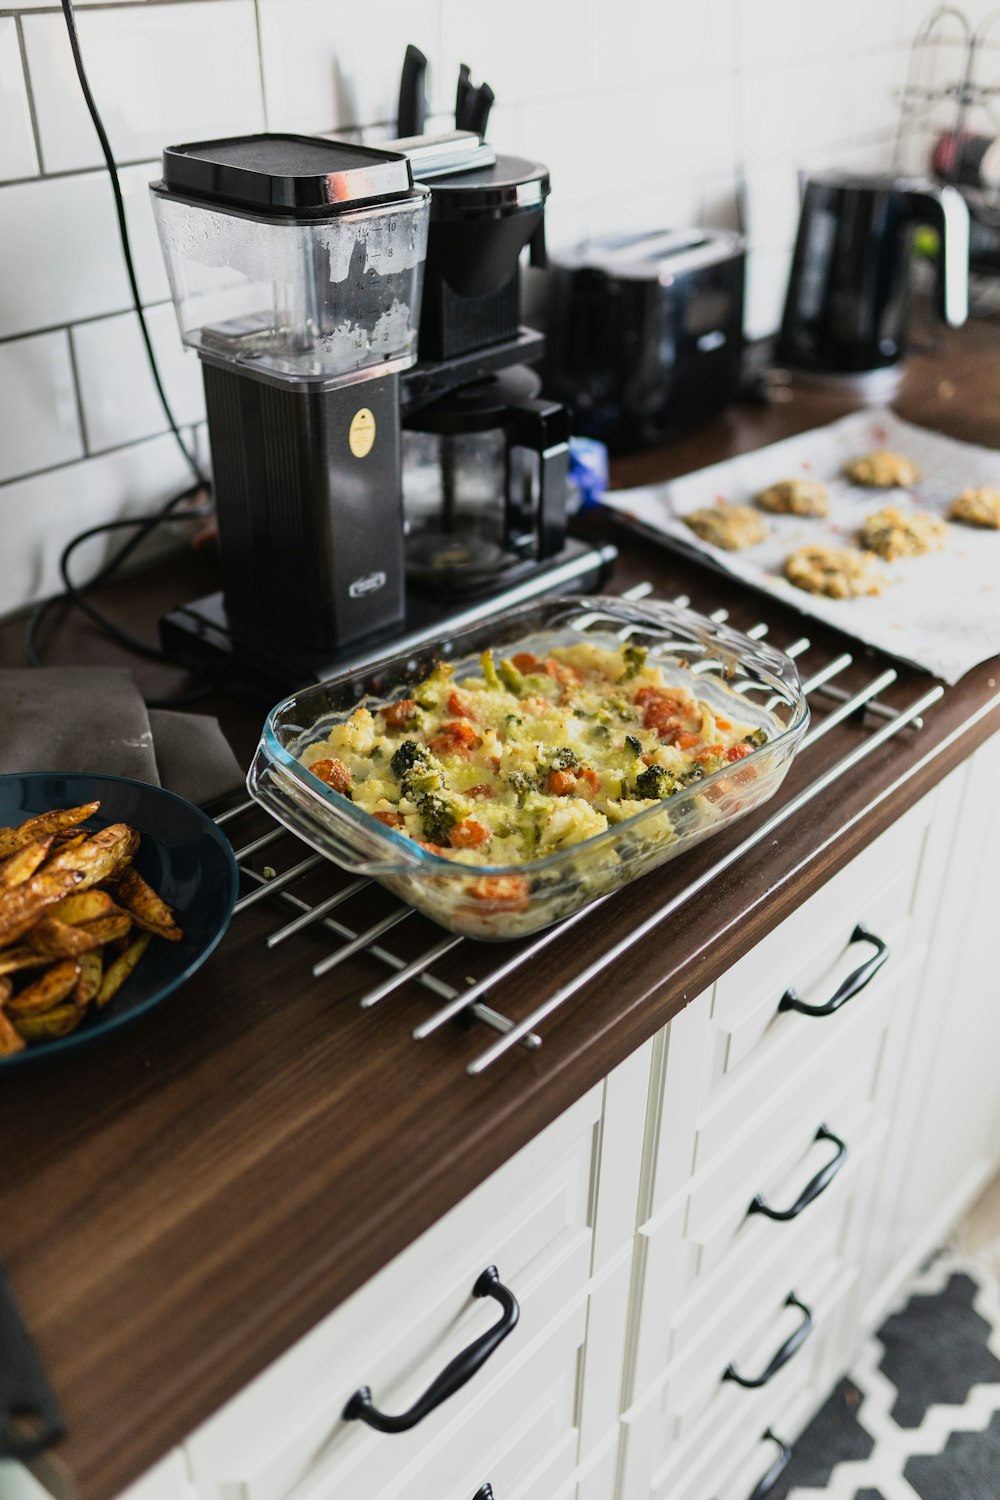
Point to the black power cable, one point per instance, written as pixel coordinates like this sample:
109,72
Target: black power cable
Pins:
143,525
109,162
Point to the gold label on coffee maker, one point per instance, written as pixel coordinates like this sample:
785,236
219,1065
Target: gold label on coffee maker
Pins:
362,433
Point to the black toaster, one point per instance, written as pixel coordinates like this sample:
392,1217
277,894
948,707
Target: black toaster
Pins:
645,333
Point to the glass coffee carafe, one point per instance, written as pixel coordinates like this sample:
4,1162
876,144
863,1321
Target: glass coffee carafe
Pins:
484,483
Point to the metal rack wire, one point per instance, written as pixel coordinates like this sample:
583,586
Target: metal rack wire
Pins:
834,704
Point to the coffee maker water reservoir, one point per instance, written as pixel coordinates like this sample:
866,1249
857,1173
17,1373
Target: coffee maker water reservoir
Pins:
296,269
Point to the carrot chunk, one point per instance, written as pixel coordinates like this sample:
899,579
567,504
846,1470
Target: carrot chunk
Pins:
334,773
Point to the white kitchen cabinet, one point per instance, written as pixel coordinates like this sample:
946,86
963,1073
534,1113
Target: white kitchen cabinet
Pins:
946,1133
626,1233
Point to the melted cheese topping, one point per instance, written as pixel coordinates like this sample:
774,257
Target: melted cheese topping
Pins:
534,754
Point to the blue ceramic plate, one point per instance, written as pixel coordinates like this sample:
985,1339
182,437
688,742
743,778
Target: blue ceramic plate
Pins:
184,856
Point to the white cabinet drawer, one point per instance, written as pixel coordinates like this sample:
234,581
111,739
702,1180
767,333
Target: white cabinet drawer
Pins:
504,1433
532,1219
791,1043
689,1454
722,1059
697,1256
683,1279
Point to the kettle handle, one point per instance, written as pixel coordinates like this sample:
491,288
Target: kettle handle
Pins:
945,210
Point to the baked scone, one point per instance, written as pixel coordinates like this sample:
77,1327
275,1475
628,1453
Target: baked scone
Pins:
795,497
836,572
979,507
883,471
731,527
892,533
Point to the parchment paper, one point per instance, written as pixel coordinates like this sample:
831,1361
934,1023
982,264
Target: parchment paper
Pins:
940,611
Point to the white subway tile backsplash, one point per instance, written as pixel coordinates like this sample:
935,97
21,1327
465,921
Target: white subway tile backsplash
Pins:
159,74
876,83
119,399
39,423
51,5
39,515
332,63
530,51
636,42
59,253
789,113
672,205
18,157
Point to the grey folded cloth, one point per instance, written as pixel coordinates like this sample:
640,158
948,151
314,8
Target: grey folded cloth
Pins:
93,719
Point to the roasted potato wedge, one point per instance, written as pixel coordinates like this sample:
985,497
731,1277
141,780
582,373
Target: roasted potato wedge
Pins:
147,909
46,992
89,982
22,865
59,1021
98,857
70,907
84,906
20,956
21,908
61,940
13,839
10,1040
118,972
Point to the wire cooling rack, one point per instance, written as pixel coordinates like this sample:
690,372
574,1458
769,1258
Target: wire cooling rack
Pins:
317,901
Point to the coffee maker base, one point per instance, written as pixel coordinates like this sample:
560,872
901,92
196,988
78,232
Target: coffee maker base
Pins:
201,635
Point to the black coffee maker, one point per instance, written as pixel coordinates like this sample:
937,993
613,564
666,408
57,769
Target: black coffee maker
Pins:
306,272
847,304
484,457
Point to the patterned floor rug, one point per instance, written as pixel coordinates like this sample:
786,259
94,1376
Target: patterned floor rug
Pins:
919,1416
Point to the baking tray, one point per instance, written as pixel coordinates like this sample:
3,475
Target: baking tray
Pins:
940,612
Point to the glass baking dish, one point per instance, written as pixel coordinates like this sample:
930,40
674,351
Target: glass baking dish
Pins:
477,900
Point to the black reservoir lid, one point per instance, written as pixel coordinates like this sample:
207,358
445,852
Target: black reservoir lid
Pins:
511,185
286,174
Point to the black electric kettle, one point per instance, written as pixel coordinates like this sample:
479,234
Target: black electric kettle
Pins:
846,308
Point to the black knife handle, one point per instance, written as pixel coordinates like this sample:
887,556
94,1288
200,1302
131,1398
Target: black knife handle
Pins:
30,1420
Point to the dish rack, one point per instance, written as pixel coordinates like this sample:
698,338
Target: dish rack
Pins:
952,86
320,914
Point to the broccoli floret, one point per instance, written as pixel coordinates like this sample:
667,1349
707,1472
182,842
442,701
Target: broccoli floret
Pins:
429,693
438,816
756,738
693,773
564,759
633,744
655,782
406,756
598,733
634,658
520,784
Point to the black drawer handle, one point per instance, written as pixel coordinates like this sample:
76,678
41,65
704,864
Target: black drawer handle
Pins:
812,1189
852,985
486,1493
454,1375
784,1354
776,1470
774,1473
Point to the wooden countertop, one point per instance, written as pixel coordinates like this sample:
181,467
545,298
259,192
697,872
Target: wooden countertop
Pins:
182,1203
